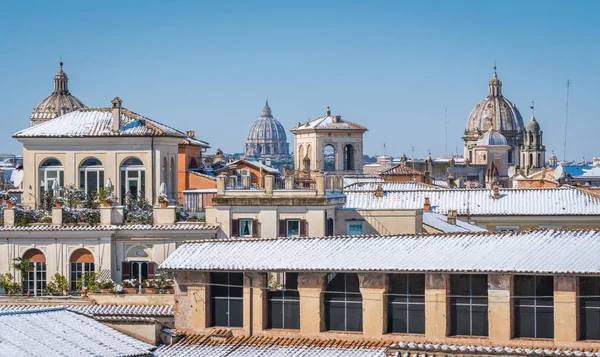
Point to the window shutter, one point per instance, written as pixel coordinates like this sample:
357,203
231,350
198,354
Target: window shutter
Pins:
125,270
303,227
151,270
282,227
235,227
255,228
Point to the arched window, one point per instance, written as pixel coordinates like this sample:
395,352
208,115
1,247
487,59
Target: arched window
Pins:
193,163
82,261
51,170
35,280
91,175
133,178
329,158
173,179
343,303
349,157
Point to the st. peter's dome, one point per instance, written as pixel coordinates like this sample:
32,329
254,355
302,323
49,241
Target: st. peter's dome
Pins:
267,137
58,103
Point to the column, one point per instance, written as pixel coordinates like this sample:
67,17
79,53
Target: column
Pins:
500,308
372,289
310,288
436,307
565,309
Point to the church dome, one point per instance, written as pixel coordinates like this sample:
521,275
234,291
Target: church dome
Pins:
267,136
492,138
533,125
495,110
58,103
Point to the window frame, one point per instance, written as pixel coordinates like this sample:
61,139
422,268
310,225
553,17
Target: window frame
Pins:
229,298
125,171
330,297
251,224
81,268
362,228
287,228
456,301
289,297
37,286
516,306
406,299
588,304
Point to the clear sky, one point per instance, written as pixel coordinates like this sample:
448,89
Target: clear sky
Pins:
392,66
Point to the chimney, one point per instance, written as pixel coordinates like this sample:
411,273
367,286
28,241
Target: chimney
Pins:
496,190
379,191
427,205
116,114
191,134
451,216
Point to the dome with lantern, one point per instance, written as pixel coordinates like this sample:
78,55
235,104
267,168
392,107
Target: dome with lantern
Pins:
267,138
60,102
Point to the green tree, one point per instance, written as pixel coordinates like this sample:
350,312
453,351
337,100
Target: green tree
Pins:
24,266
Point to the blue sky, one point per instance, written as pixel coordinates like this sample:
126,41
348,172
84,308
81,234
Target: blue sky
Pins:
392,66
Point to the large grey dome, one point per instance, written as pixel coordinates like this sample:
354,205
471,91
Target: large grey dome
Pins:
492,138
58,103
267,137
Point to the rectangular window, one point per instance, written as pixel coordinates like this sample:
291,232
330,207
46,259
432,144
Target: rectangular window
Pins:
355,229
139,271
283,305
343,303
406,303
292,228
589,308
226,299
534,306
468,305
77,270
245,226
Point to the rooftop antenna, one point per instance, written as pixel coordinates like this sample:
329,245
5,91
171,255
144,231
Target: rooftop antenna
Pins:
385,155
532,108
446,123
566,119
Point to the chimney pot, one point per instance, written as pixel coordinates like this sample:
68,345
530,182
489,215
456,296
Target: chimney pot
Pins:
451,219
427,205
496,190
191,134
116,114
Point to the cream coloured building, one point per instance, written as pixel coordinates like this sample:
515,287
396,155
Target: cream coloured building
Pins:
329,144
89,147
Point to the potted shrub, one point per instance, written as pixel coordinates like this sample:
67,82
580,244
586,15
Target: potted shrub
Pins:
87,281
46,220
58,286
163,201
22,265
5,197
105,196
118,289
149,286
8,285
105,285
165,284
58,202
130,286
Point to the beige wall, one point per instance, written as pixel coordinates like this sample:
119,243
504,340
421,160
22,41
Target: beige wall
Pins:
192,307
380,221
110,151
492,223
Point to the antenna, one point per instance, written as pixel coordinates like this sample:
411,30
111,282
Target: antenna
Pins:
446,124
532,108
385,155
566,119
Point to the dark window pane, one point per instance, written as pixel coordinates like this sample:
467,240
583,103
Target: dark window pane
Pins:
459,322
397,283
416,284
480,321
544,286
589,286
524,322
545,323
397,318
335,316
589,321
220,310
354,317
236,313
291,312
416,319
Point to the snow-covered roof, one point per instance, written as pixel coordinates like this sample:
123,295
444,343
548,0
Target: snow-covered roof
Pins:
329,122
539,251
101,310
349,180
258,165
440,222
389,186
585,171
125,227
97,122
401,169
60,332
476,202
243,346
419,349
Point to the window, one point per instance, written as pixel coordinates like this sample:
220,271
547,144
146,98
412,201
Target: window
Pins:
35,280
133,178
226,299
343,303
139,271
245,228
329,158
468,305
589,308
284,305
348,157
91,175
330,230
355,229
82,262
534,306
51,170
406,303
292,228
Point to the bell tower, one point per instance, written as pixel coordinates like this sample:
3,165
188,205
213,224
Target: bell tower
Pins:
533,152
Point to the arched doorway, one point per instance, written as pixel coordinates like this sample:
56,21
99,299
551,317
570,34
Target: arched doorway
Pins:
349,158
133,178
329,158
35,280
81,262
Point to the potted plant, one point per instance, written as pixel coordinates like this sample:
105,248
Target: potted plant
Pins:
105,285
130,286
165,283
5,197
163,201
105,196
149,287
58,202
87,282
23,265
117,289
58,286
8,285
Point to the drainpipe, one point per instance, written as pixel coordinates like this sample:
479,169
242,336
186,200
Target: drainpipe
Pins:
153,172
251,298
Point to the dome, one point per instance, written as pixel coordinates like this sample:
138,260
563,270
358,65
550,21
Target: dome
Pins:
267,136
495,110
58,103
492,138
533,125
